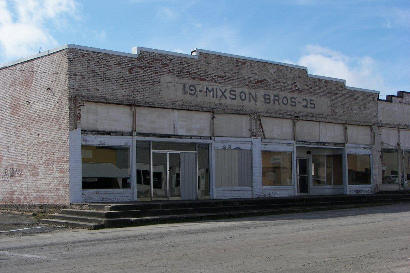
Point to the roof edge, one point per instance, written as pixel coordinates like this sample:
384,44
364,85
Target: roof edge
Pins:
327,78
35,56
198,50
165,52
362,89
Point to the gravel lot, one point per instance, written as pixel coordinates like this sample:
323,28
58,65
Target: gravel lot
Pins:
375,239
12,224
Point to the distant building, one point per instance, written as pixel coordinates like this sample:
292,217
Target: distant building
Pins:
81,124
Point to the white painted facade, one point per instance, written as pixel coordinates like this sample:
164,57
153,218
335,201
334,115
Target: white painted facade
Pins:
303,139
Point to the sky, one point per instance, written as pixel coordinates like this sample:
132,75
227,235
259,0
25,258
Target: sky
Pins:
365,42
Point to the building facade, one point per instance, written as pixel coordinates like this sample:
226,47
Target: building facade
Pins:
81,124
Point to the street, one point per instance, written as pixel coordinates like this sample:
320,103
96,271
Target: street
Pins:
374,239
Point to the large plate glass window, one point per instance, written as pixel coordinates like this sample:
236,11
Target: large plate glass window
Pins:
143,170
407,164
327,170
106,167
203,171
276,168
359,170
390,166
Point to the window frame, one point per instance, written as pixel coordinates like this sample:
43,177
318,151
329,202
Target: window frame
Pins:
130,162
279,147
326,169
395,178
364,153
291,152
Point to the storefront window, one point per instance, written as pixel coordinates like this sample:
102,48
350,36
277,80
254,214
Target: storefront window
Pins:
335,161
327,170
390,166
105,167
319,170
143,173
203,171
276,168
233,168
407,165
359,169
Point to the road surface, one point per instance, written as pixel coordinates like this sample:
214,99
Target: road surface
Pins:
375,239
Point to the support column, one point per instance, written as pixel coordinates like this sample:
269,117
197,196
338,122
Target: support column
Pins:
345,171
75,167
134,168
256,167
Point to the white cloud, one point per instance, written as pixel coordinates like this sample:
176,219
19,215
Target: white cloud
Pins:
357,71
221,38
167,13
395,18
23,25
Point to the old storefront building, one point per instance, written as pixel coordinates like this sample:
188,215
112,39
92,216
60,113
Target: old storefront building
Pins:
81,124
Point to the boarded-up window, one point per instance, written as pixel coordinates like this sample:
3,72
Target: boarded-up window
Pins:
276,168
233,168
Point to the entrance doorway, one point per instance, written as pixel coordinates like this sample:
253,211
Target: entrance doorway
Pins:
174,175
302,170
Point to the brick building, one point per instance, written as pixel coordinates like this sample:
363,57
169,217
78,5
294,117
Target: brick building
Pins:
82,124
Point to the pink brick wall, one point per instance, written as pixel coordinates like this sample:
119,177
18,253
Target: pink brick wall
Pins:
34,122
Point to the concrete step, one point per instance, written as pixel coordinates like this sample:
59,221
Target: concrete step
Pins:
181,210
73,224
144,213
159,219
295,201
74,218
210,203
100,214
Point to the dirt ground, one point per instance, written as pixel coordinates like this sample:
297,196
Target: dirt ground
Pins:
21,224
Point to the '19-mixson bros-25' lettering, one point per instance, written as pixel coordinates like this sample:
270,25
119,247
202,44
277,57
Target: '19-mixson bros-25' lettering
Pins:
246,96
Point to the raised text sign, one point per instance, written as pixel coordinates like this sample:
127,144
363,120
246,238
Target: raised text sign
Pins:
209,94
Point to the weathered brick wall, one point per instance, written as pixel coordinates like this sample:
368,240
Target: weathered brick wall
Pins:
395,111
34,122
102,77
402,97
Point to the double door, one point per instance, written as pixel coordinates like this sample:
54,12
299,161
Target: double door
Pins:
174,175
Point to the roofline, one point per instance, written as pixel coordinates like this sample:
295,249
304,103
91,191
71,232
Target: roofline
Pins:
165,52
362,89
327,78
32,57
248,58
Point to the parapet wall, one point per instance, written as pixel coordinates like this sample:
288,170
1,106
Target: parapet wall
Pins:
216,83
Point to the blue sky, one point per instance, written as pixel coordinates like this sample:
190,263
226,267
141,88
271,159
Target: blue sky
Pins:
365,42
